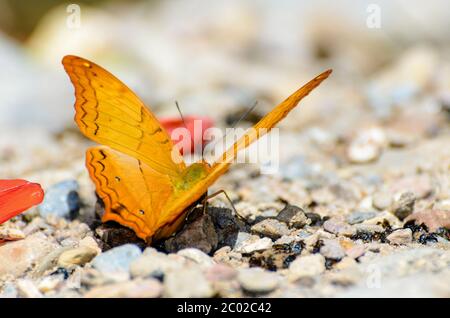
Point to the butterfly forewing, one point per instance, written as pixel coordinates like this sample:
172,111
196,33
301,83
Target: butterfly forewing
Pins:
108,112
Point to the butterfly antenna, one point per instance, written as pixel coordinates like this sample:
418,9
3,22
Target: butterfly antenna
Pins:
247,112
181,114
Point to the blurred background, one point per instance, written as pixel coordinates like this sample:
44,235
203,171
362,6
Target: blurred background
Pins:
390,60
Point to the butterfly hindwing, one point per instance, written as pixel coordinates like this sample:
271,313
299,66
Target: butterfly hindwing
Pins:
133,193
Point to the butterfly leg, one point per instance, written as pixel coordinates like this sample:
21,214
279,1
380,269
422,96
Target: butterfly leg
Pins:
205,201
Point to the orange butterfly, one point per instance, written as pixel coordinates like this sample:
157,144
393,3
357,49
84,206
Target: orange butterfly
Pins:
139,175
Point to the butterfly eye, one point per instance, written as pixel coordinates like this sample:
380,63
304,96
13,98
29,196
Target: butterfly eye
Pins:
141,212
117,179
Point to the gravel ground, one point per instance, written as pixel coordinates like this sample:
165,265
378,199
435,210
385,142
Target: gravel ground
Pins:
359,207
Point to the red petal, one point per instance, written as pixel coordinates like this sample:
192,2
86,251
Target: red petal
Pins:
17,196
172,123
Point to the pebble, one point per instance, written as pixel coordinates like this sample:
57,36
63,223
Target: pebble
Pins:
10,234
220,272
404,205
381,200
77,256
383,217
345,263
356,251
50,283
293,216
433,219
369,228
147,288
400,237
61,200
226,225
187,282
154,264
255,280
360,216
204,260
199,233
252,244
366,146
332,249
271,228
19,256
306,266
117,259
339,227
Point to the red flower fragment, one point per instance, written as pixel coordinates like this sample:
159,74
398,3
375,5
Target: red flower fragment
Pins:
17,196
196,126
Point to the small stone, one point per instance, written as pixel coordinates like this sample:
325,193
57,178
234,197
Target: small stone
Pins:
293,216
61,200
90,242
198,232
404,206
117,259
383,217
356,251
360,216
227,226
271,228
204,260
188,282
345,263
332,249
381,200
50,283
27,289
10,234
148,288
154,264
255,280
220,272
19,256
367,145
369,228
252,244
338,227
400,237
77,256
306,266
285,240
433,219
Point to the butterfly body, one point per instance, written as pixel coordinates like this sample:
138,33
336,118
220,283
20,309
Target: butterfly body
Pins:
138,173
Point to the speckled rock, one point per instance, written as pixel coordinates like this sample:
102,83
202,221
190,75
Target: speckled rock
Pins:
306,266
338,227
360,216
332,249
404,205
188,282
400,237
293,216
256,280
270,228
19,256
